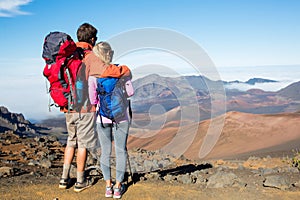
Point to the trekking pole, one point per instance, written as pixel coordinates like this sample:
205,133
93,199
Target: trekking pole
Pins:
130,115
130,172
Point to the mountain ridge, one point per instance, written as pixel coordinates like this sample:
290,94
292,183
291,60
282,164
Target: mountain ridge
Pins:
171,92
17,123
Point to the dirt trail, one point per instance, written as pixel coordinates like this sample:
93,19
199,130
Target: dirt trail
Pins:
141,190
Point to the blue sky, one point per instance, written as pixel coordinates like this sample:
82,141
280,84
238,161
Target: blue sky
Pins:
232,32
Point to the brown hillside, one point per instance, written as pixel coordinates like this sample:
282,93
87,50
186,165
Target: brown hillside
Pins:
242,133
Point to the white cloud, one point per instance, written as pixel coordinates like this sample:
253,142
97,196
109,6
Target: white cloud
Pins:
10,8
271,87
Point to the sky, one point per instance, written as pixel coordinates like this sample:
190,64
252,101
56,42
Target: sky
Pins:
233,34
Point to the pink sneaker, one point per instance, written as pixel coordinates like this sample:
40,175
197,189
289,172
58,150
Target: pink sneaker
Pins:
109,192
118,192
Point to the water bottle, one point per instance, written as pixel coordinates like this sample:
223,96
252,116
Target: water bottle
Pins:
79,91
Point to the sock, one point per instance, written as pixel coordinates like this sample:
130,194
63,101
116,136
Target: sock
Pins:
66,171
80,176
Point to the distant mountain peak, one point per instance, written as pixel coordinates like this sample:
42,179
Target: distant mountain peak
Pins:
253,81
15,122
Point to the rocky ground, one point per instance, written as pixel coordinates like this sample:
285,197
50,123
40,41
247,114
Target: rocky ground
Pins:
30,168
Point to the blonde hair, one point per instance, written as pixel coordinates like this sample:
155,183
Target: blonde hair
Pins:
104,52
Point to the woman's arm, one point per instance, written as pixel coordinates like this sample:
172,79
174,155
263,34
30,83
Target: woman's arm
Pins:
92,82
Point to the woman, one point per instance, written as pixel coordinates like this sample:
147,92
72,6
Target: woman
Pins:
110,130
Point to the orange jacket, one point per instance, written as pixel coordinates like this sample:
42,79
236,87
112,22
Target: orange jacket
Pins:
116,71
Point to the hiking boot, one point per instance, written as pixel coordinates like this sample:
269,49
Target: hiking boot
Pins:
63,183
118,192
109,192
82,186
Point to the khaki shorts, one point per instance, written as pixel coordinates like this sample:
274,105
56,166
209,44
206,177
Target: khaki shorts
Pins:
81,130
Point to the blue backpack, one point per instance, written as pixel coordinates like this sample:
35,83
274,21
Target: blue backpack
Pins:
113,98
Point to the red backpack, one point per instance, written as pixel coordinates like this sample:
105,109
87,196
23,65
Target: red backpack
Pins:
64,71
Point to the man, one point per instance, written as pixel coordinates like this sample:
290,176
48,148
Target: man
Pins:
80,125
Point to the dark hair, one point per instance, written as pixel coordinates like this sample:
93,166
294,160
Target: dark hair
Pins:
86,32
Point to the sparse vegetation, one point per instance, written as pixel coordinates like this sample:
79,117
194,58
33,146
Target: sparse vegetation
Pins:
296,160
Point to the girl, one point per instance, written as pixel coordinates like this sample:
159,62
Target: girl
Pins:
107,129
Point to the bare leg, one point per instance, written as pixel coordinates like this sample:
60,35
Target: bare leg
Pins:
108,183
69,154
118,184
68,157
81,159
